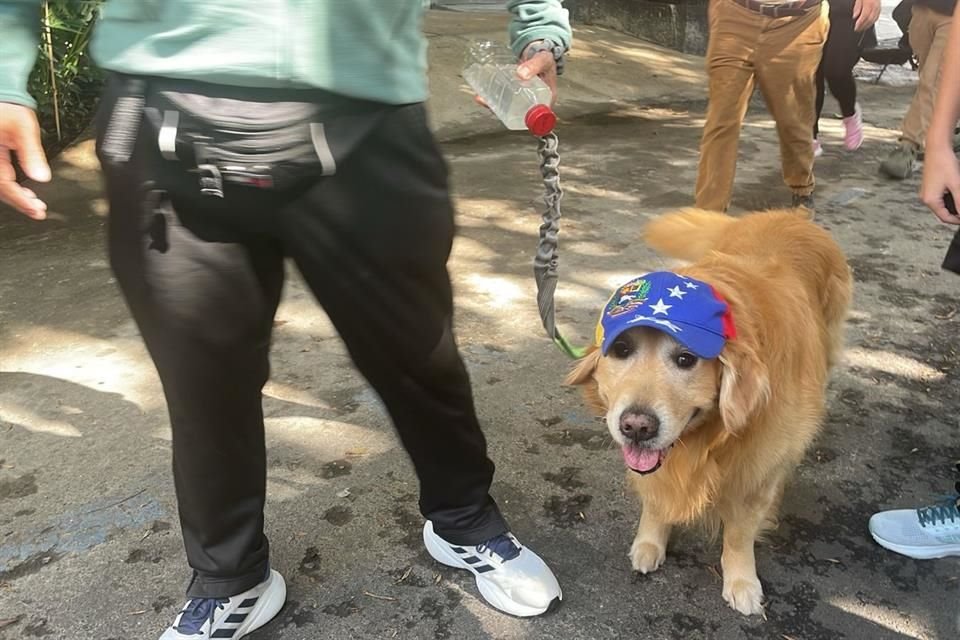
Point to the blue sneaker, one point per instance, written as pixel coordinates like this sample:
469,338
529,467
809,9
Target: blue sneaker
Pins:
509,576
923,534
232,617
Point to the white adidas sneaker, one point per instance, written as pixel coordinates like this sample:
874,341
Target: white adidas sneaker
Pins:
510,577
923,534
232,617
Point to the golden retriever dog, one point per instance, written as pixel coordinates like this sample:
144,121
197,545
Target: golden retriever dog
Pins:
712,378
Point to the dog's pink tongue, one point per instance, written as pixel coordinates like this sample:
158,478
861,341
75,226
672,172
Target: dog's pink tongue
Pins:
641,460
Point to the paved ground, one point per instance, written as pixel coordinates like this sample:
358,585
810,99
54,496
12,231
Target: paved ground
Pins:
88,534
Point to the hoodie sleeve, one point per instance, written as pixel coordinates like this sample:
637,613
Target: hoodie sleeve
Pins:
537,20
20,26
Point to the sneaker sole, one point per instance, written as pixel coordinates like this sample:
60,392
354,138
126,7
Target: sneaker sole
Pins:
440,552
267,607
919,553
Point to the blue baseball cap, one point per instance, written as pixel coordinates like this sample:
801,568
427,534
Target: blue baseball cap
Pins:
689,310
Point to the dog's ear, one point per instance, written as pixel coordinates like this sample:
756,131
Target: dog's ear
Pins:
744,384
582,371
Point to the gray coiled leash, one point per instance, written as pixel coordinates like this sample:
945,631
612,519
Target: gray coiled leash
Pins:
548,256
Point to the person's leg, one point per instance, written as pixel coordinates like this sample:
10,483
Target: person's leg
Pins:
840,55
730,64
372,242
203,293
827,62
928,35
791,51
821,94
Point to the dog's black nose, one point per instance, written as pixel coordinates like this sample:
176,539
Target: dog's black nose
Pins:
639,424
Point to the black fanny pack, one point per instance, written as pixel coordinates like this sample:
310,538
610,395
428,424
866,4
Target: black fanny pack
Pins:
258,138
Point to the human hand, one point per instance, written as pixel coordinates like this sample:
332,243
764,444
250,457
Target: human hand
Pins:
865,14
20,132
540,64
941,173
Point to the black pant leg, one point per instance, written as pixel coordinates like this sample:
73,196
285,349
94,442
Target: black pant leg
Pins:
840,56
203,292
372,241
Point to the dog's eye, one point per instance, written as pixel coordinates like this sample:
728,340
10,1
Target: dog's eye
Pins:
621,349
686,360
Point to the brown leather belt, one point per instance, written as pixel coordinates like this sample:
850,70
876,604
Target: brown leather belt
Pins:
779,9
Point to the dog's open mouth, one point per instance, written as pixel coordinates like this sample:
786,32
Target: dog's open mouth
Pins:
642,460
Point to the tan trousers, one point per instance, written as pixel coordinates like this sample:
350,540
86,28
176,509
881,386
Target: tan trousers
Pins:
780,55
928,37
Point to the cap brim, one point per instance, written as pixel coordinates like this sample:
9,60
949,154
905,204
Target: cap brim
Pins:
701,343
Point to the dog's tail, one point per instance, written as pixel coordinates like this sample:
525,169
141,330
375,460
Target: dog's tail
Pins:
688,234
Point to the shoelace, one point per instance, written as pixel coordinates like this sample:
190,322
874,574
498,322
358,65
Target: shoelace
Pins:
501,545
197,613
944,510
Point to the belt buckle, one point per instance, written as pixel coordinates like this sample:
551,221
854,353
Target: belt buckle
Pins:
211,180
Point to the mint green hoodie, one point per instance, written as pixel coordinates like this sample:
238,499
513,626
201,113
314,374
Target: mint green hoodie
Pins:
370,49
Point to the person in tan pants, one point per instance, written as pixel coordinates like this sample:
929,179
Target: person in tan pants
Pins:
776,47
929,26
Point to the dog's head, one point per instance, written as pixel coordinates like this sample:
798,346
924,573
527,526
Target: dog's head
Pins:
654,384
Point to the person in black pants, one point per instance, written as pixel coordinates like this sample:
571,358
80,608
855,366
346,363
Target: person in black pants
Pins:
235,139
850,33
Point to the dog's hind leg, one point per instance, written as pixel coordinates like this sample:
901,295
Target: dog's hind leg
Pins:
742,523
649,547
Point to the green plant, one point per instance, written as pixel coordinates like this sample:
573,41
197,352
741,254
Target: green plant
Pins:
65,82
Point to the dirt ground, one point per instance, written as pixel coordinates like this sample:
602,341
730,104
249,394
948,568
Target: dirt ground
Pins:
89,543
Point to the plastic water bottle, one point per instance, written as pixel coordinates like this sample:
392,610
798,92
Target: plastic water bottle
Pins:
491,71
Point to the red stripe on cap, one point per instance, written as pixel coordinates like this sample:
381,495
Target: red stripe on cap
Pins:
729,328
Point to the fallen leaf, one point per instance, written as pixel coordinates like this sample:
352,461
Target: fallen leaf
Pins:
344,494
405,575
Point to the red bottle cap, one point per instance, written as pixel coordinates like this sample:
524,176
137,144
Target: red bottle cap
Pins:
540,120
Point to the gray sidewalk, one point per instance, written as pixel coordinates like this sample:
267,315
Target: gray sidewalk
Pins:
89,546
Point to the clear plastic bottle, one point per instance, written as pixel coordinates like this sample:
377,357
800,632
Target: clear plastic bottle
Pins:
491,71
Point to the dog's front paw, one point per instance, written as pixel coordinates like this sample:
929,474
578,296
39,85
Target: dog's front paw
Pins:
745,595
646,557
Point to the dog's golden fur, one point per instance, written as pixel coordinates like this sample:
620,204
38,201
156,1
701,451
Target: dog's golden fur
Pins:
761,402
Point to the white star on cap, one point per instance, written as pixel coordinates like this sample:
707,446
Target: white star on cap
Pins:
690,285
676,292
660,307
658,321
